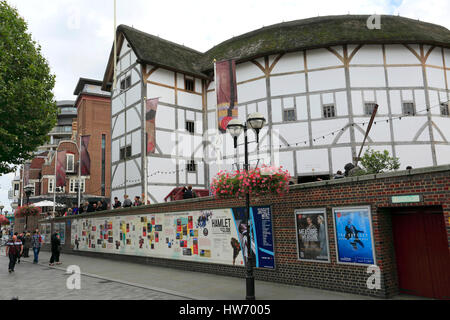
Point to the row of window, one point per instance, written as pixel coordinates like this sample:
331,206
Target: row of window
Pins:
329,111
73,186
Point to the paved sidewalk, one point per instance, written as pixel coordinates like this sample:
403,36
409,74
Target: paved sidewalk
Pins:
172,283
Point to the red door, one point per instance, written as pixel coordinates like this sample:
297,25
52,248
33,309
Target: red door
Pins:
422,252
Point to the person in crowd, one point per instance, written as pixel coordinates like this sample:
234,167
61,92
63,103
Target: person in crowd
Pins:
21,238
189,193
137,201
26,244
99,206
56,249
14,250
117,203
339,175
104,205
91,207
36,243
75,211
127,202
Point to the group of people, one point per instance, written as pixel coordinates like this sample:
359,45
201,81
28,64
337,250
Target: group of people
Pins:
87,207
18,246
127,203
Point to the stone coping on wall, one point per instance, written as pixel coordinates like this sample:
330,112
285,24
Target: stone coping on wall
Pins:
129,211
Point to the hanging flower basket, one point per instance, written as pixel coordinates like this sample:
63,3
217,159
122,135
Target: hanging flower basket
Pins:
257,182
27,211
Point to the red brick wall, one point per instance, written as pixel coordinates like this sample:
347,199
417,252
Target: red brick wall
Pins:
433,186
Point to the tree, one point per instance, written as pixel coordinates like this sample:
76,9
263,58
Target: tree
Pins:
378,162
28,111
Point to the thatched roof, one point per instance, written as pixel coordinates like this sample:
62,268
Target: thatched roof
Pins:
318,32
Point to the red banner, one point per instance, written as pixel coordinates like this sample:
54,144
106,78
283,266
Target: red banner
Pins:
150,127
61,169
226,91
26,174
85,158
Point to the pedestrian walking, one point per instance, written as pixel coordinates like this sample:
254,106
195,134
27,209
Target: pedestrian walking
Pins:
14,249
56,249
26,245
20,237
36,243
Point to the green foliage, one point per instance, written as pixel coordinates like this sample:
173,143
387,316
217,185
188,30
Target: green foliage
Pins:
27,108
378,162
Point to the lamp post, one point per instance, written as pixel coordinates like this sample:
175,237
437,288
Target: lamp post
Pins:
28,191
255,121
1,209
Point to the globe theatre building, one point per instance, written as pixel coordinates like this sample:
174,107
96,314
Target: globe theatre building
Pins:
316,81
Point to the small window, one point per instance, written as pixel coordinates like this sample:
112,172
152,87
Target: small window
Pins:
125,152
191,166
445,109
190,127
408,108
189,84
289,115
51,184
329,111
70,163
73,186
125,83
369,107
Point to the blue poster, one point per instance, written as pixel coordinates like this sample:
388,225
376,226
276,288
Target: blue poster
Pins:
261,235
354,236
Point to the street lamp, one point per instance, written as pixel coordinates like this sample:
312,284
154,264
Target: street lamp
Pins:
1,208
255,121
28,191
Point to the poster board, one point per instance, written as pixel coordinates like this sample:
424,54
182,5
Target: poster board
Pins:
210,236
354,235
312,235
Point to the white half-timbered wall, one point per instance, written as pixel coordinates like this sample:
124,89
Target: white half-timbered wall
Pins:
174,146
347,77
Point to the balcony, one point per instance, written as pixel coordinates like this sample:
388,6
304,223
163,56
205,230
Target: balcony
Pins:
61,130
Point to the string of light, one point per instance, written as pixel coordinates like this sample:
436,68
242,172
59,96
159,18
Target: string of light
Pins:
322,137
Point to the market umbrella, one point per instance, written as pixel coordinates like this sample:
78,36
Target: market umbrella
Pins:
47,203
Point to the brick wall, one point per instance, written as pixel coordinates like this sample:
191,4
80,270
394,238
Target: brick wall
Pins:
376,191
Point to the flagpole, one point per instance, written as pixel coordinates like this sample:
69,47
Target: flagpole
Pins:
219,160
115,46
79,175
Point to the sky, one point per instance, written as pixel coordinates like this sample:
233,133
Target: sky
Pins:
76,36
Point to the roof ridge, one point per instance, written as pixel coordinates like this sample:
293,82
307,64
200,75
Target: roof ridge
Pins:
159,38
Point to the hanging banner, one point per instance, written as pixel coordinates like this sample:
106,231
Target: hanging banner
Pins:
150,125
354,237
85,158
226,91
312,235
26,174
61,169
